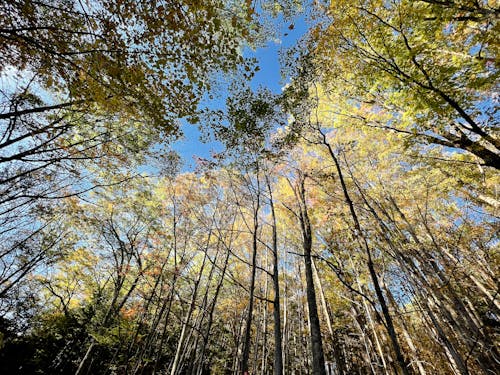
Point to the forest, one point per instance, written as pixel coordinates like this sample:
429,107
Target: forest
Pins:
344,221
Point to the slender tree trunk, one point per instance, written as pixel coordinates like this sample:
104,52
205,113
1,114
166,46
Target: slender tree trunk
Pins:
206,336
318,364
367,343
406,334
123,260
453,355
177,359
303,316
237,352
339,360
407,263
372,326
278,350
371,267
286,335
256,341
264,326
248,325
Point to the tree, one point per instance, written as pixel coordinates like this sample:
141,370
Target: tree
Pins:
333,218
90,87
318,364
424,69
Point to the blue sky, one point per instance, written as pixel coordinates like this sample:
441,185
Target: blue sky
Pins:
269,76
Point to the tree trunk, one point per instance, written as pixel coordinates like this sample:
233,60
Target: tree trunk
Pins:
278,350
318,359
180,343
247,338
358,233
339,360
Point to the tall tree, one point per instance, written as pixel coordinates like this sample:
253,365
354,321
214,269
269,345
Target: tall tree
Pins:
318,364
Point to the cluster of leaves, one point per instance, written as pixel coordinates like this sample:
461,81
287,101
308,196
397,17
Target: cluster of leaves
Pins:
428,67
92,91
149,60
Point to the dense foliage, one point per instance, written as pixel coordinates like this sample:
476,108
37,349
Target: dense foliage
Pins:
349,226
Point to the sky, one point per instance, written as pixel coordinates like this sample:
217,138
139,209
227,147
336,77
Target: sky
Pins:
269,76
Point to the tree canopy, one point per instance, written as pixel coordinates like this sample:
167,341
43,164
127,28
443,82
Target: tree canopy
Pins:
345,224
